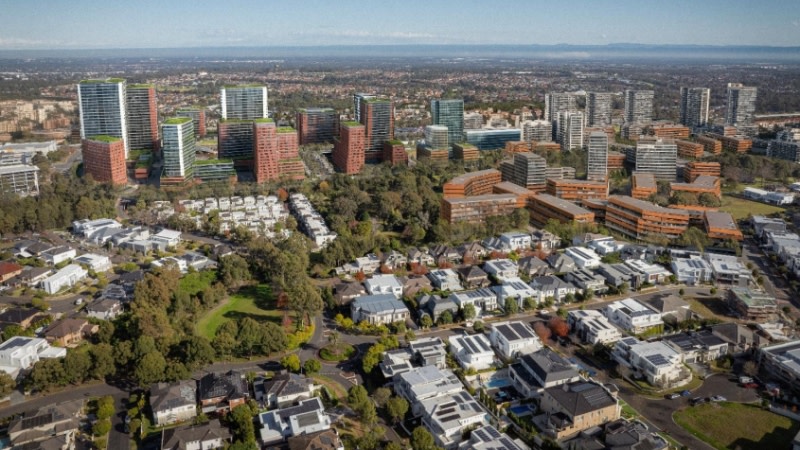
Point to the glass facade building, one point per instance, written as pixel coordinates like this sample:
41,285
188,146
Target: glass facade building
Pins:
178,149
449,113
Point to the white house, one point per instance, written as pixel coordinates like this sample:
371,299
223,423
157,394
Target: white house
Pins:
170,238
514,288
57,255
378,309
95,262
516,241
449,416
502,269
472,351
423,383
307,417
88,227
178,263
67,277
445,280
632,316
173,402
20,353
605,245
692,270
592,327
384,284
585,258
650,273
511,339
483,299
656,361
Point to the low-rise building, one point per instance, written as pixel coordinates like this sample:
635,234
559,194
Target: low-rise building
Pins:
656,361
473,277
531,266
587,280
173,402
782,361
544,207
384,284
378,309
576,407
501,269
445,280
512,339
482,299
632,316
305,418
21,353
69,332
448,416
534,372
472,351
434,306
720,225
488,438
424,383
57,255
545,241
649,273
618,274
514,288
728,270
477,209
208,436
691,271
285,389
222,392
67,277
584,257
9,270
697,347
96,263
561,263
52,426
592,327
550,286
639,219
322,440
752,305
643,185
344,293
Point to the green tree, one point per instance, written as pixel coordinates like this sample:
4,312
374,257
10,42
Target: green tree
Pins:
7,384
477,326
446,318
241,419
195,352
468,311
76,366
233,271
150,369
291,362
529,304
426,321
312,366
511,306
421,439
101,427
381,396
372,357
105,407
397,407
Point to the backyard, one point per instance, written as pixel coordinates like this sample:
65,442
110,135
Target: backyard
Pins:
736,425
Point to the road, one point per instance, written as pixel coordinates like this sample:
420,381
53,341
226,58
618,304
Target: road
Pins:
774,284
68,394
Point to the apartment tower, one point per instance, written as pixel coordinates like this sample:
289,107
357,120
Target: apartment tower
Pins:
198,117
104,159
598,109
178,150
638,106
103,111
316,125
570,130
349,148
694,106
142,117
741,105
597,156
449,113
377,116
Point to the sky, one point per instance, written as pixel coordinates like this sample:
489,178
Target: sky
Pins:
91,24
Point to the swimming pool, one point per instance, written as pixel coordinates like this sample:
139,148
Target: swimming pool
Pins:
497,383
520,410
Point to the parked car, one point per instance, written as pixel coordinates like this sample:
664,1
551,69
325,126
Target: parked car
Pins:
672,396
718,398
686,393
745,380
751,385
697,401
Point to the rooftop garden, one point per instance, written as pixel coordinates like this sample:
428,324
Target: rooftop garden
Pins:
141,86
105,138
137,154
351,123
286,130
177,120
211,162
395,142
264,120
107,80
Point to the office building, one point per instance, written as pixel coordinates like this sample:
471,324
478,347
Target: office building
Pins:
449,113
741,105
275,152
178,150
349,147
703,184
709,144
529,171
735,143
544,207
695,169
598,109
473,121
104,159
638,218
377,116
19,179
492,138
694,106
357,99
557,102
570,130
720,225
638,106
658,157
198,117
142,117
666,130
436,137
787,150
537,131
316,125
248,102
103,110
597,156
471,184
689,149
235,140
477,209
577,190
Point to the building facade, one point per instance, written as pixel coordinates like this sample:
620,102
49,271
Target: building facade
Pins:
597,156
449,113
104,159
638,106
247,102
598,109
377,116
316,125
349,148
142,117
103,110
694,106
570,130
19,179
198,117
741,105
658,157
178,151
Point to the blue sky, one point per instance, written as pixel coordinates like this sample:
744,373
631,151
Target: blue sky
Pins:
53,24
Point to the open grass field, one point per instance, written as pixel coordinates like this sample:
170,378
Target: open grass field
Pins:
740,208
256,302
735,425
709,307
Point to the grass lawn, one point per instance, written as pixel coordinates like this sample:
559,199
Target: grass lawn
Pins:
255,302
740,208
709,308
340,352
195,282
735,425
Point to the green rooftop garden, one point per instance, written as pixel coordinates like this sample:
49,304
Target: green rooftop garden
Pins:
107,80
177,120
211,162
377,100
351,123
395,142
286,130
234,86
264,120
105,138
141,86
137,154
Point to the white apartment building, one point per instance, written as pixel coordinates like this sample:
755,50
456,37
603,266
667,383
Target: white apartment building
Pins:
472,351
67,277
632,316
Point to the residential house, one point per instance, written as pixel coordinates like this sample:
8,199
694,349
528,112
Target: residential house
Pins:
69,332
27,249
656,361
395,260
384,284
378,309
605,245
67,277
534,372
650,273
322,440
344,293
762,224
434,306
396,362
88,227
57,424
501,269
697,347
584,258
173,262
592,327
584,239
208,436
692,271
367,265
483,299
545,241
444,254
512,339
488,438
420,256
575,407
516,241
222,392
284,389
9,270
672,308
94,262
728,270
550,286
752,305
472,251
33,276
531,266
429,351
424,383
472,351
473,277
741,339
632,316
619,434
22,317
618,274
449,416
170,238
561,263
414,285
587,280
782,361
514,288
173,402
57,255
21,353
445,280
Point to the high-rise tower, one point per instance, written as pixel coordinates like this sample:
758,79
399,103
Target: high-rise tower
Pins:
570,130
597,156
103,112
178,150
741,105
348,150
316,125
598,109
357,99
638,106
246,102
450,113
142,117
556,103
377,116
694,106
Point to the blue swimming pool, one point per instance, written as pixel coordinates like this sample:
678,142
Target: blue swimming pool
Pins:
497,383
520,410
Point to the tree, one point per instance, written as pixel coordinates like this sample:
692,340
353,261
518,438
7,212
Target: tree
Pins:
529,304
241,419
421,439
7,384
559,326
312,366
196,352
150,369
397,407
468,311
76,366
426,321
511,306
446,318
542,331
357,395
101,427
381,396
750,368
291,362
105,407
233,271
477,326
373,357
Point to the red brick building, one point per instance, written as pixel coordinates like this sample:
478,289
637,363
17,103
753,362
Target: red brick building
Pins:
394,152
349,148
104,159
265,152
